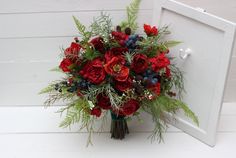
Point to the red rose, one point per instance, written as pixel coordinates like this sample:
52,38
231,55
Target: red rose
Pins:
103,101
93,71
123,86
159,62
108,56
72,51
115,67
117,51
96,111
98,44
120,37
129,107
150,31
140,63
64,65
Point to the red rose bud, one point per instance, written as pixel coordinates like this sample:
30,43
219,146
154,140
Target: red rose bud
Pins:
130,107
93,71
79,93
123,86
115,67
150,31
168,72
159,62
98,44
72,52
64,65
103,101
139,63
96,112
119,35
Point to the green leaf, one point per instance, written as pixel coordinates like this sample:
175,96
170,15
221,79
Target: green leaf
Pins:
90,54
47,89
132,11
56,69
82,30
169,44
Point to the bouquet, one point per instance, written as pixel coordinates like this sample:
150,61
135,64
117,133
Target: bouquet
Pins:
115,71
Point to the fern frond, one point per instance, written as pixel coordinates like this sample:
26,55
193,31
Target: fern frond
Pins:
132,11
82,30
159,106
49,88
102,26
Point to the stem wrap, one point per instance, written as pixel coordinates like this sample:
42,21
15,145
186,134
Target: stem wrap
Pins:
119,127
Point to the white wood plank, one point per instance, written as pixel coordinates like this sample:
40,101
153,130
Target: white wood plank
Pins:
25,6
135,145
56,24
40,120
26,49
31,72
19,94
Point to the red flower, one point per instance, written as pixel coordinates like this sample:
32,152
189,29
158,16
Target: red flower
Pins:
168,72
65,64
129,107
150,31
140,63
115,67
93,71
123,86
120,37
98,44
159,62
156,88
103,101
72,51
96,111
114,52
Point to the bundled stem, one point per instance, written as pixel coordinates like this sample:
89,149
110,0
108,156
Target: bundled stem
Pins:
119,127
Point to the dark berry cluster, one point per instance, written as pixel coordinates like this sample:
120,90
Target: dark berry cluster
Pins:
72,86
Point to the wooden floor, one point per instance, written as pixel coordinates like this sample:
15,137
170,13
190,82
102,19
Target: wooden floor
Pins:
20,138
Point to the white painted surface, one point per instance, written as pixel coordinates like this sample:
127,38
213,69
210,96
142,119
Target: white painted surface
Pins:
31,32
206,69
33,132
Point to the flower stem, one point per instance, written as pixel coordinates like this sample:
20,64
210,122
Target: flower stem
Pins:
119,127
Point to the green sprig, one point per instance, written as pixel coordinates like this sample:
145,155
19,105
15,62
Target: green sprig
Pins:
132,11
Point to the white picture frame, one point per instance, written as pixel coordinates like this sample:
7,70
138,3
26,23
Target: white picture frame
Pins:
205,69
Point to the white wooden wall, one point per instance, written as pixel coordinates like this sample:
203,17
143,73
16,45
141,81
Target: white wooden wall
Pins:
31,32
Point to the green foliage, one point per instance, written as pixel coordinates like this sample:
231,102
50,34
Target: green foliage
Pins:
76,111
48,89
86,35
129,56
107,89
56,69
102,26
167,44
54,95
90,53
132,11
158,107
177,80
